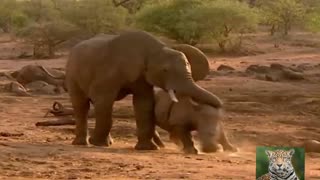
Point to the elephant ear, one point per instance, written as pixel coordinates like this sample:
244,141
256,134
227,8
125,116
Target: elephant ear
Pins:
197,59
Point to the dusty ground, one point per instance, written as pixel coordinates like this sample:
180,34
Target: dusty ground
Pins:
258,113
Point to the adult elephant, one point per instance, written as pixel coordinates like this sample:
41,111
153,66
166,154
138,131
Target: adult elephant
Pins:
103,71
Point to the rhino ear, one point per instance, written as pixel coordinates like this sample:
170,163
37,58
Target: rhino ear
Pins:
198,60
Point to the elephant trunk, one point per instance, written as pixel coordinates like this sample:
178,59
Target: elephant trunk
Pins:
198,94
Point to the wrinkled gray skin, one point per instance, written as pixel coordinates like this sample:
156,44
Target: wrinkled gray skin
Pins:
103,71
31,73
42,87
180,118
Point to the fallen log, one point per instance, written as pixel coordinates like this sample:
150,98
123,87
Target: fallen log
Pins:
7,134
59,110
59,122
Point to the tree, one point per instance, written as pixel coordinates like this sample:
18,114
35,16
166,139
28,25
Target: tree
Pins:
282,14
45,36
46,28
313,21
229,17
11,16
131,5
190,21
40,10
55,21
173,19
94,16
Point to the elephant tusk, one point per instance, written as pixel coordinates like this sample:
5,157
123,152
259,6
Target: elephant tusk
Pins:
172,96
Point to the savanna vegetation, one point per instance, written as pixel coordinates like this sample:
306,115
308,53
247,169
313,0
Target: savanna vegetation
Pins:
48,23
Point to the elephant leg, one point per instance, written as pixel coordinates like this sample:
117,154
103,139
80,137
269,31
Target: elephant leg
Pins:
175,139
225,142
157,139
143,102
81,106
103,105
122,94
186,139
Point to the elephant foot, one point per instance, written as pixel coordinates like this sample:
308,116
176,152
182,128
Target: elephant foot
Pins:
230,147
147,145
190,150
211,148
109,140
101,141
80,141
176,140
159,143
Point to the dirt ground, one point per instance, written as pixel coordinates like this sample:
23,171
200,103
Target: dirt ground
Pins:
258,112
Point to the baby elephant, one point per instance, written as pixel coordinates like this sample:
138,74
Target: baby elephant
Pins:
180,118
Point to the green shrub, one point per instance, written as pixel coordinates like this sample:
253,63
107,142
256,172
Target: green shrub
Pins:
229,17
312,20
19,20
282,14
191,21
45,36
11,16
173,19
95,16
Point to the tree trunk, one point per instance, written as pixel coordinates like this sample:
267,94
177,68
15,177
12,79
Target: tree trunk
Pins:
286,28
39,50
6,28
272,30
222,45
35,50
51,51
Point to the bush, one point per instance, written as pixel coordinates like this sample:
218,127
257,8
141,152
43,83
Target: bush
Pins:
11,16
173,19
47,23
94,16
282,14
45,36
313,21
229,17
191,21
40,10
19,20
